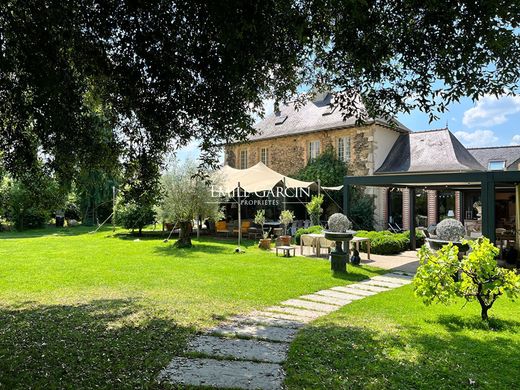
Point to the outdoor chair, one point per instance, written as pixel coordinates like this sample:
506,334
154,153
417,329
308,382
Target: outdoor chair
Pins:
306,241
323,243
221,227
254,233
395,228
277,232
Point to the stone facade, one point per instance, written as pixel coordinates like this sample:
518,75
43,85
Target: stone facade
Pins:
289,154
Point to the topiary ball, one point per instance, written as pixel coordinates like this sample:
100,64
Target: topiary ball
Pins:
339,223
450,229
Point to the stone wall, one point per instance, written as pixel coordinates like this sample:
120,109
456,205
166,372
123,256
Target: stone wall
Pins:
289,154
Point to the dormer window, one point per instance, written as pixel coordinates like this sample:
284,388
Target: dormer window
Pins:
496,165
280,119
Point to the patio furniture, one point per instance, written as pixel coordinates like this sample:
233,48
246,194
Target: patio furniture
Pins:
357,240
286,250
322,242
313,240
254,233
277,232
221,227
395,228
245,227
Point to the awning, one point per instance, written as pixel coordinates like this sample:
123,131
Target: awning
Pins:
258,178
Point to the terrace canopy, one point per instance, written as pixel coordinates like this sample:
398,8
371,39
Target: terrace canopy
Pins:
261,178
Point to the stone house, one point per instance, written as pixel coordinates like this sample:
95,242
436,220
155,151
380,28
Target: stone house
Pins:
287,140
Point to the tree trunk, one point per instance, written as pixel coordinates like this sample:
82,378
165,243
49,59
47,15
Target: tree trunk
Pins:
140,234
184,240
484,313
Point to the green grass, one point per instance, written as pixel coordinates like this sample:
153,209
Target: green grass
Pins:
393,341
84,310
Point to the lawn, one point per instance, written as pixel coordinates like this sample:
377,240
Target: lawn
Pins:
82,310
393,341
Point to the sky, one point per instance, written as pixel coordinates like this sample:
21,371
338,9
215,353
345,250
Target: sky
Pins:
487,122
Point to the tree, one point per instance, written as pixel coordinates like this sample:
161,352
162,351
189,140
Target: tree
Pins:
442,276
314,209
132,215
187,196
159,74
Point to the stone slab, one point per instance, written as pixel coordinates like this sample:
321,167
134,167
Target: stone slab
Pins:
400,275
326,299
340,295
362,286
310,305
356,291
382,283
310,314
223,374
241,349
392,279
260,332
292,322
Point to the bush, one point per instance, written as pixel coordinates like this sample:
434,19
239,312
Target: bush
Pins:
419,237
134,216
384,242
313,229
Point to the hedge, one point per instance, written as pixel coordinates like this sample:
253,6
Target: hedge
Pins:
309,230
388,243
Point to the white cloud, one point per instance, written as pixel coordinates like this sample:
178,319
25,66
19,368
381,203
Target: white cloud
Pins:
490,111
477,138
515,140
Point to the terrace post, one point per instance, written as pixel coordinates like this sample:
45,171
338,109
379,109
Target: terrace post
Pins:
346,190
488,209
413,244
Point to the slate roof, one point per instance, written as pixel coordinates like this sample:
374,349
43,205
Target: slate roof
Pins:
509,154
429,151
313,116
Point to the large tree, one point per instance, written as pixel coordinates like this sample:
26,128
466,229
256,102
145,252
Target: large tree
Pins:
160,73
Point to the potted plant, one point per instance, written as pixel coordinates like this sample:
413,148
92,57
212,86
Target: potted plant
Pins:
314,209
339,230
286,218
265,242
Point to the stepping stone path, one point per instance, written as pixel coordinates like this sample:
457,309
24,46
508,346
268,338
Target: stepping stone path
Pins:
247,351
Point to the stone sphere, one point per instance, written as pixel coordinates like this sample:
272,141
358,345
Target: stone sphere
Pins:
450,229
339,223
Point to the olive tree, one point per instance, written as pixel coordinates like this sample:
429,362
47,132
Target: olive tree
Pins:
187,196
442,276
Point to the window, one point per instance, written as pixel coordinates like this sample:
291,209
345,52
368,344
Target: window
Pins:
264,155
496,165
314,149
243,159
344,149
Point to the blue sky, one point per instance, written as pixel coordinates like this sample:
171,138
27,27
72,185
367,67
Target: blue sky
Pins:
487,122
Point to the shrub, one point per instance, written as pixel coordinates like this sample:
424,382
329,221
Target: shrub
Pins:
419,237
134,216
286,218
480,279
450,229
339,223
313,229
384,242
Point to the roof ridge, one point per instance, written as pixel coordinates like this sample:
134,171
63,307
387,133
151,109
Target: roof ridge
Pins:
429,131
494,147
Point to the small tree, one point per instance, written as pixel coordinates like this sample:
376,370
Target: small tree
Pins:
132,215
187,196
260,220
314,209
286,218
477,276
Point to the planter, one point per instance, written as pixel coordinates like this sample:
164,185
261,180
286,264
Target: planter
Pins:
285,240
264,243
339,256
437,244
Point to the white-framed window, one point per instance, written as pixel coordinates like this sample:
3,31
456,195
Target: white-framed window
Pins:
243,159
264,155
314,149
344,149
496,165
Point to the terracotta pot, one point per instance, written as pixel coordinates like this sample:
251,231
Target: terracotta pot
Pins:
264,243
286,240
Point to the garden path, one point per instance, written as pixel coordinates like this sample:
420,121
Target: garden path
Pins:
247,351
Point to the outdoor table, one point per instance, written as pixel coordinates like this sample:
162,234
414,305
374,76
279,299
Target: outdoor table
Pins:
286,250
271,226
357,240
315,242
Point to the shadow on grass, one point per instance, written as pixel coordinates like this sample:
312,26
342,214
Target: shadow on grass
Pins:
356,277
48,231
328,357
102,344
456,323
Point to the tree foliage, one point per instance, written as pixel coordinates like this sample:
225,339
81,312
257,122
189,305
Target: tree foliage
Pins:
187,196
314,209
127,81
132,215
443,275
